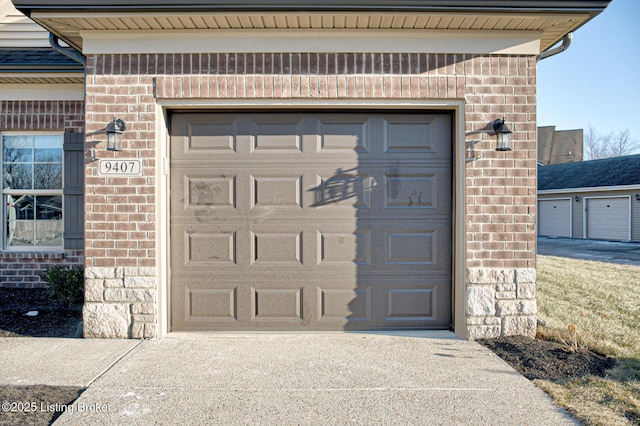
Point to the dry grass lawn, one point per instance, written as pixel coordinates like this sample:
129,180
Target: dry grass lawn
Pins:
602,301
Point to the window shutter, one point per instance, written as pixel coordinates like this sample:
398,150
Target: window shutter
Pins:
73,191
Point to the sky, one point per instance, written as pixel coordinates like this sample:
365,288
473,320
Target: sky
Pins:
596,82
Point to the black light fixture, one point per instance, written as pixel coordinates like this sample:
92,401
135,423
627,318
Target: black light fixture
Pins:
114,132
503,135
577,199
637,197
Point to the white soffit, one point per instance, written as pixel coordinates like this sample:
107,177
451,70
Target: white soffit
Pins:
315,41
42,92
589,189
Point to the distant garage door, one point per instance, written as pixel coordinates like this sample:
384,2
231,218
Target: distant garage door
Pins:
315,221
608,218
554,218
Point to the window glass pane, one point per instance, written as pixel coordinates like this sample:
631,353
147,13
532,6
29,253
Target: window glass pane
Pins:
34,221
47,176
21,206
20,223
16,155
18,142
48,149
48,224
20,233
17,176
48,142
48,155
17,149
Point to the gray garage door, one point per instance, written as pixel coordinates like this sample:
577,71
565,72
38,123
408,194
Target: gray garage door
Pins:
322,221
608,218
554,218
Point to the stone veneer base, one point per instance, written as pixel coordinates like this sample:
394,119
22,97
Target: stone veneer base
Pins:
501,302
120,303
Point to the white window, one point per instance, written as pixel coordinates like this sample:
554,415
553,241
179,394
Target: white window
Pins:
32,191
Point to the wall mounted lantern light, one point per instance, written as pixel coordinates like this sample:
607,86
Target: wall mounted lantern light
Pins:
637,197
114,131
577,198
503,135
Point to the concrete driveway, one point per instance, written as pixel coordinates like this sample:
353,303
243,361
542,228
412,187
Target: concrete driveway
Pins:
602,251
312,378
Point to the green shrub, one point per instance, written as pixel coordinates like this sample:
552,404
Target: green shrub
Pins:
65,284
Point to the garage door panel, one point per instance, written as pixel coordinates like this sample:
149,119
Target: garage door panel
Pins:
271,302
410,247
409,301
342,135
417,247
410,190
410,304
404,134
317,221
342,189
342,305
199,189
335,248
207,248
198,304
208,136
276,248
408,134
211,304
276,133
276,190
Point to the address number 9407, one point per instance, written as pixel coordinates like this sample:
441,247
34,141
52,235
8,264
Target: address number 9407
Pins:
129,167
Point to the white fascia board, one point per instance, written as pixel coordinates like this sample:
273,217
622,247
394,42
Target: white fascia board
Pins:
320,41
589,189
42,92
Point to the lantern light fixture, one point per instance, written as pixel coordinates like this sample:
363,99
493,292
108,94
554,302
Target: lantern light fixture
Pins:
114,132
503,135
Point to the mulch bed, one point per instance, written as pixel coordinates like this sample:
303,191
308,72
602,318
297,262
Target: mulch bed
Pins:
54,319
542,359
36,405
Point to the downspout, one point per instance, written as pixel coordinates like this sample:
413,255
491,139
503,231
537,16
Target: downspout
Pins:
70,52
566,42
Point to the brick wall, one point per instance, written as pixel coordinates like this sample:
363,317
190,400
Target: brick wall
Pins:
23,269
42,115
500,187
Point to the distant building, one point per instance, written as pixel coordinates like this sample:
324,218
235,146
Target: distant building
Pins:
559,146
598,199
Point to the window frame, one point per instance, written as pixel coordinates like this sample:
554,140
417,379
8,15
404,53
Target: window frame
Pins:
33,192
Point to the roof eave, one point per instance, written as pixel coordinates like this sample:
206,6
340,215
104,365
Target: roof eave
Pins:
593,7
40,69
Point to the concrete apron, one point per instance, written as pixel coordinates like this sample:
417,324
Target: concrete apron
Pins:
313,378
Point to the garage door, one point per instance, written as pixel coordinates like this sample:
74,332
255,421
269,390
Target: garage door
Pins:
554,218
608,218
323,221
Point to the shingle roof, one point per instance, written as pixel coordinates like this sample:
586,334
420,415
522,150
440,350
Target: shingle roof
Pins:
588,174
45,59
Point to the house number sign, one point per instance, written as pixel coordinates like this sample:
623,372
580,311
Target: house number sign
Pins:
128,167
